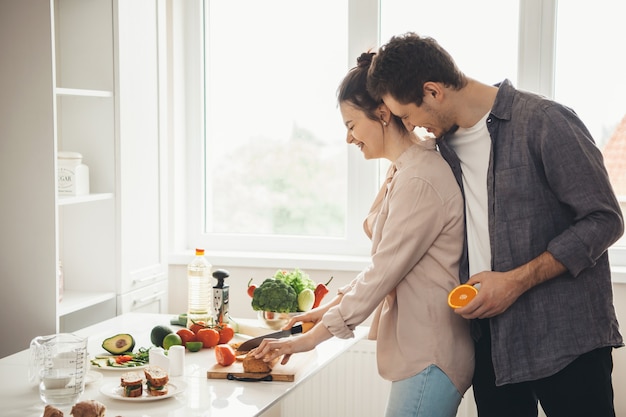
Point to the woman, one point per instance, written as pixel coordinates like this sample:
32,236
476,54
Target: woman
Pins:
416,228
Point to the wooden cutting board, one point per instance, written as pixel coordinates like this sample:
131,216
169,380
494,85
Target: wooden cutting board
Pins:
298,363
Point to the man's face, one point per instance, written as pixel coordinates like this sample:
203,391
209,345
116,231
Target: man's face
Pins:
425,116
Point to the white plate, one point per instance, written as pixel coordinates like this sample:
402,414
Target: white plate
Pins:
92,377
114,390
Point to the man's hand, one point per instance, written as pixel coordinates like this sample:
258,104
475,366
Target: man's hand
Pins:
499,290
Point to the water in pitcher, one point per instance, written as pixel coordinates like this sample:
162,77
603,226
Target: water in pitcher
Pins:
58,363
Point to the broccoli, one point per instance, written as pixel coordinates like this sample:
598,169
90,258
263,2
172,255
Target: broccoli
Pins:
297,279
275,295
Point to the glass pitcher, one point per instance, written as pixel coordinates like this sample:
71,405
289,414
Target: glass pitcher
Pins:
58,363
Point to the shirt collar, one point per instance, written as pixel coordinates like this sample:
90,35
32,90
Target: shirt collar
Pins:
407,156
503,105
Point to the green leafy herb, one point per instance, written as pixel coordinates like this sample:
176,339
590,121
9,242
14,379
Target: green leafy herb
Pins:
297,279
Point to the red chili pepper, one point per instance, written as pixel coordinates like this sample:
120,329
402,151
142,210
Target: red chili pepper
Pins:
320,291
251,288
123,359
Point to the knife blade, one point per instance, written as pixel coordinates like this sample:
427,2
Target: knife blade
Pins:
248,345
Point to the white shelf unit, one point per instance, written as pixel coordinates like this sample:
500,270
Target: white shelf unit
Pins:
85,123
80,75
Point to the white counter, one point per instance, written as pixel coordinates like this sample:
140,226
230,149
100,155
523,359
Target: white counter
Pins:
202,397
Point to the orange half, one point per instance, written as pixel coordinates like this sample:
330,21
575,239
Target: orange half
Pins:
461,295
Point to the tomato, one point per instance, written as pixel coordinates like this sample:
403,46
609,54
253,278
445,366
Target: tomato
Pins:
224,354
197,325
208,337
226,333
186,335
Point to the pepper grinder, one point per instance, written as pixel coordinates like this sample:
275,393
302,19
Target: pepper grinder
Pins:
220,296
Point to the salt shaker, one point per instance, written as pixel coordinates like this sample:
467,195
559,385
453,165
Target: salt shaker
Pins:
176,355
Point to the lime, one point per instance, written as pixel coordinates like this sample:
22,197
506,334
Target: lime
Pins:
170,340
158,333
194,346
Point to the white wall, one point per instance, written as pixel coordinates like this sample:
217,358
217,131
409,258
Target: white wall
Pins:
240,306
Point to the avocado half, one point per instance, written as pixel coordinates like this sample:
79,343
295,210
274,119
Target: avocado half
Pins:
118,344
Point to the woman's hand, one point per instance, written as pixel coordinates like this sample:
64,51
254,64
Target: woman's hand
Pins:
313,316
273,348
286,346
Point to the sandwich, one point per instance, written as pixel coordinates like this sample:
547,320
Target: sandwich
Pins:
157,379
132,384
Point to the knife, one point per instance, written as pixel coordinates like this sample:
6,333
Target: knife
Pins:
248,345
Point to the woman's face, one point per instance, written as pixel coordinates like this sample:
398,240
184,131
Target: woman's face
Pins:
363,132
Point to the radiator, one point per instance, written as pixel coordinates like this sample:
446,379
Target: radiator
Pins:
349,386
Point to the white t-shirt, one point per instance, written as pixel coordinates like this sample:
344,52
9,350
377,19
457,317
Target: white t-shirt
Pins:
473,146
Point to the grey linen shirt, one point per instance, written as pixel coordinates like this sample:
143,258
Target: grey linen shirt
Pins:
548,189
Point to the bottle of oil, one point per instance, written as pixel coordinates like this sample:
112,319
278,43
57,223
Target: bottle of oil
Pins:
199,289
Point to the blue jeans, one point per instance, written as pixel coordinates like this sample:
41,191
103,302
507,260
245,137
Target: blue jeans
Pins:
427,394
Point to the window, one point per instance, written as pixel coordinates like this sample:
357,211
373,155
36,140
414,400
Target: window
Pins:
483,46
277,166
589,79
271,171
278,174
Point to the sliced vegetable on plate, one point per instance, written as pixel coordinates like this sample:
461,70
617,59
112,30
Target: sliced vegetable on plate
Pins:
127,360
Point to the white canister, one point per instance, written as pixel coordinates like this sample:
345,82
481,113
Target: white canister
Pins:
72,174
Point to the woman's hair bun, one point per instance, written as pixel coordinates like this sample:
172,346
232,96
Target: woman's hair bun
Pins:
365,59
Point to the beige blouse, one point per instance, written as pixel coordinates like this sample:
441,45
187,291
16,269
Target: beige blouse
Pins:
416,228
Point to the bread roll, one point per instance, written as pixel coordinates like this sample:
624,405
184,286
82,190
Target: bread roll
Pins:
52,411
89,408
254,365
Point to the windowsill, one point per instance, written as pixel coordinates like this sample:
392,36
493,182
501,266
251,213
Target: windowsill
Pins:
315,262
618,274
276,260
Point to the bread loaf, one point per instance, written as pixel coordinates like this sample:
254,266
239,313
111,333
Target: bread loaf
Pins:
89,408
254,365
52,411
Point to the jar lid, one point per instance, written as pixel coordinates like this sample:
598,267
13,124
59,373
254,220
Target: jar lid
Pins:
69,155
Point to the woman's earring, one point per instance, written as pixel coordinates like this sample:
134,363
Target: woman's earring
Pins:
384,123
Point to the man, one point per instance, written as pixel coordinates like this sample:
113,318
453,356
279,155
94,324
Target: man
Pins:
540,215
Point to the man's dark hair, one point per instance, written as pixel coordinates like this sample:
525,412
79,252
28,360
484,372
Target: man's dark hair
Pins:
405,63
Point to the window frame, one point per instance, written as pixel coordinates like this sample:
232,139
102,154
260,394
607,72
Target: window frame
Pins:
536,63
